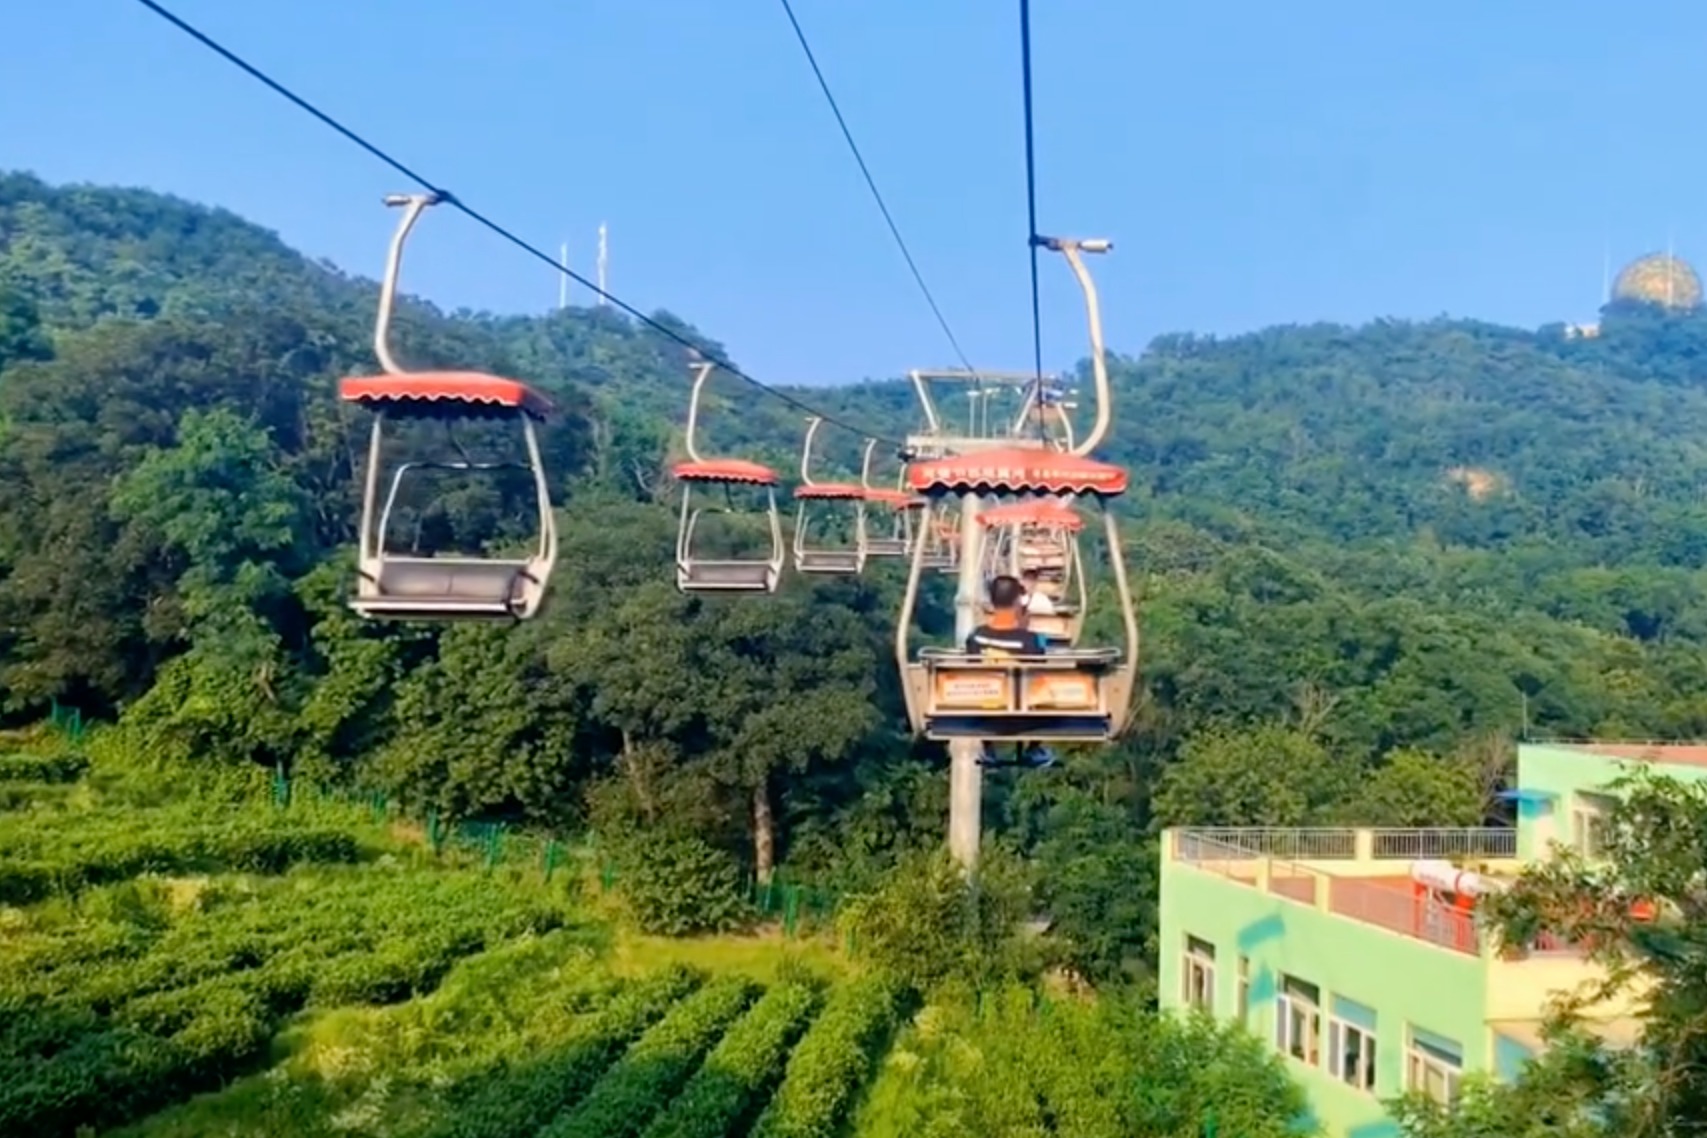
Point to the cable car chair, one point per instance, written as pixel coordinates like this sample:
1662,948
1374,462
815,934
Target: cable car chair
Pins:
725,574
1069,695
813,502
898,542
1041,536
393,586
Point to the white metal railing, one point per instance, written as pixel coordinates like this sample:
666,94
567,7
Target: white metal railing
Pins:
1234,843
1444,842
1342,843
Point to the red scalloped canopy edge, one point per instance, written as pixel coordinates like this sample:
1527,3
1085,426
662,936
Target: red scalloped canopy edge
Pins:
472,387
724,470
1038,513
832,491
1016,469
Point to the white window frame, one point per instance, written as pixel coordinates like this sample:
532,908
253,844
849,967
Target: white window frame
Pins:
1197,974
1422,1061
1361,1073
1309,1013
1591,814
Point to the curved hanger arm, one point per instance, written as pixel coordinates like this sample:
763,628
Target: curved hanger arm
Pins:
812,425
412,205
701,372
1072,249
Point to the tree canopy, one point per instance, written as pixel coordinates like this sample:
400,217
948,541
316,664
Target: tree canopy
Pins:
1368,557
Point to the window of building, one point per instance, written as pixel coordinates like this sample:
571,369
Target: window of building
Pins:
1351,1044
1433,1065
1244,989
1590,815
1197,976
1298,1020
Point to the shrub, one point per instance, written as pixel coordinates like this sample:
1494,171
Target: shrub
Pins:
66,767
680,885
826,1070
655,1068
927,921
516,1102
718,1099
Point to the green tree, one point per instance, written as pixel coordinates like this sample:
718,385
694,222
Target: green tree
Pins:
1655,845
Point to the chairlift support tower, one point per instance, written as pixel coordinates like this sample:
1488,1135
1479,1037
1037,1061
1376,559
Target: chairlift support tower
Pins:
966,776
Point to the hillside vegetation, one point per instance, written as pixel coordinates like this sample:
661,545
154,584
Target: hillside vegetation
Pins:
1369,558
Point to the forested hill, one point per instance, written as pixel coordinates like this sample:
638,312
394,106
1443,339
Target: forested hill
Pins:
1364,554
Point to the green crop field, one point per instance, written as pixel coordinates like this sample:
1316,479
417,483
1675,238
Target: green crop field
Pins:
186,953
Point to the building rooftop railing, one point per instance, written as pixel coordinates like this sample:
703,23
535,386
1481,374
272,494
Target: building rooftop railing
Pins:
1296,864
1347,843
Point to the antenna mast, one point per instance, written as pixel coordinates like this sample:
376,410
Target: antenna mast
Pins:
604,261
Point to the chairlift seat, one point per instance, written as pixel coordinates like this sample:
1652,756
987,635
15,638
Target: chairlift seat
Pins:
444,588
1074,695
844,560
887,547
392,587
725,575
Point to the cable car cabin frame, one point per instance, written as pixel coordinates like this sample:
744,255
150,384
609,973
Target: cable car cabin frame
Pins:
898,541
814,501
723,574
1066,695
392,586
1006,527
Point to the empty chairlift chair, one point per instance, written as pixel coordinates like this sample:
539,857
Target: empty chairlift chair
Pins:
818,505
722,573
890,534
395,586
1070,695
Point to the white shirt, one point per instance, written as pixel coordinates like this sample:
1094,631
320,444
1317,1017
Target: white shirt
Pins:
1038,602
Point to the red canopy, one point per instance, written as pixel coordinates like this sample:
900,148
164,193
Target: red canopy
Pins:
724,470
1017,470
416,391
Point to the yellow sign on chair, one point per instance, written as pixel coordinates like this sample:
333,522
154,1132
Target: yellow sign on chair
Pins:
1061,691
974,690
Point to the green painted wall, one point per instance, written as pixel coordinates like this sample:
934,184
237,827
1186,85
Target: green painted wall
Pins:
1564,772
1406,981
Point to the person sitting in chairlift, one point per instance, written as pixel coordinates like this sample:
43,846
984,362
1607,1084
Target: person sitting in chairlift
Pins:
1037,602
1005,634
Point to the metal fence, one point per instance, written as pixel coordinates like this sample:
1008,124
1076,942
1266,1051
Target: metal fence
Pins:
1340,843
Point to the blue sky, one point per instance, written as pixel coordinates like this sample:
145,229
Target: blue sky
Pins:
1255,162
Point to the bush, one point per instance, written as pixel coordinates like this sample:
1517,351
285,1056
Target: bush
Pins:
655,1068
66,767
737,1074
927,921
680,885
826,1070
516,1102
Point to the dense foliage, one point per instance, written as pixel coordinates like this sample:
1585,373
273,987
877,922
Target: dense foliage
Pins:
1369,558
1374,552
1009,1063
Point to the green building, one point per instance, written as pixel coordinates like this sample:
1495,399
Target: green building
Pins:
1354,951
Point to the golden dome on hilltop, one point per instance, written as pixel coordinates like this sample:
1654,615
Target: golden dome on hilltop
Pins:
1659,278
